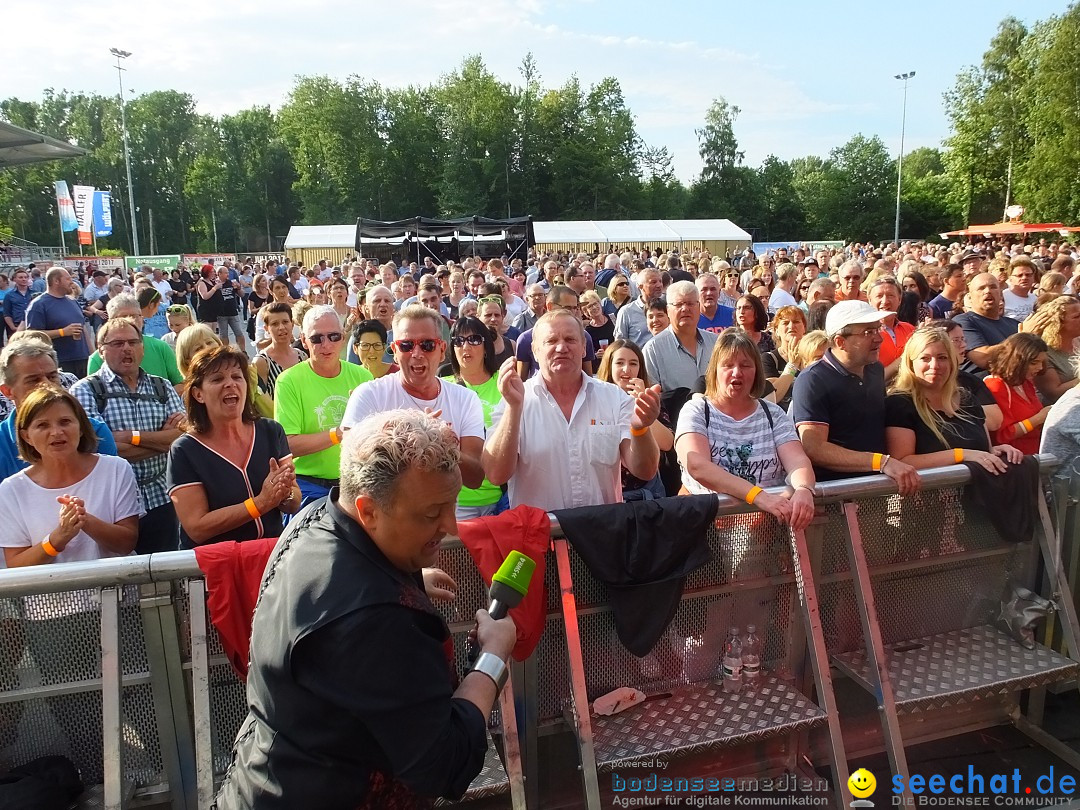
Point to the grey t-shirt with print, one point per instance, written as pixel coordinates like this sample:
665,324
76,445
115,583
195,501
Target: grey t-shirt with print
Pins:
744,447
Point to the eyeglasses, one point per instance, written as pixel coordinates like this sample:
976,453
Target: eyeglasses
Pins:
178,309
333,337
121,344
472,340
371,347
870,332
426,346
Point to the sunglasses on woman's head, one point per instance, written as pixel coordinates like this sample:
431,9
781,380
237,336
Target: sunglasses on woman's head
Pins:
407,346
461,340
178,309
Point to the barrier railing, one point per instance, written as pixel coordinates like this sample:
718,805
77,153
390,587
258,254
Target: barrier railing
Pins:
114,664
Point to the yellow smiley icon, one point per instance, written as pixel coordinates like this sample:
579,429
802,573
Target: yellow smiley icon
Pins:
862,784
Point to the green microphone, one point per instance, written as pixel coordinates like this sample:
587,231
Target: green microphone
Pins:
510,583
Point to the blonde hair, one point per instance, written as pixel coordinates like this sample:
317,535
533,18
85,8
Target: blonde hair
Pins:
1050,332
908,383
188,343
810,344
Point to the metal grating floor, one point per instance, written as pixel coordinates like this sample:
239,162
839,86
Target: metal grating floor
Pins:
491,781
959,666
699,717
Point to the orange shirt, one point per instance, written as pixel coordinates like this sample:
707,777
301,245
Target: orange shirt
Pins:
891,347
1015,409
840,295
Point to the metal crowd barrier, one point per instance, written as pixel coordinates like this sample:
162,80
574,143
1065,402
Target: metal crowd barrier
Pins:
114,662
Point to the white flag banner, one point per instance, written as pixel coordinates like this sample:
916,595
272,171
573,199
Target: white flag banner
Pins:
83,197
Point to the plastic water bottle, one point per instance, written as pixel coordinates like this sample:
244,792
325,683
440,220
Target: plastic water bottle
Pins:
732,664
751,660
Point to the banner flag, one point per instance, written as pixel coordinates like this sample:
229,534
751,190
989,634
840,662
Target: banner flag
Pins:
102,213
84,212
66,208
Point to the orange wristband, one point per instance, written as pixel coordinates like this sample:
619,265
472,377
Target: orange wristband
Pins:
638,431
876,463
136,437
752,494
334,438
61,331
49,548
253,510
1027,425
958,454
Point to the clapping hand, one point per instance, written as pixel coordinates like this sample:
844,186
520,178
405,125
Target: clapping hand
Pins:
72,520
646,408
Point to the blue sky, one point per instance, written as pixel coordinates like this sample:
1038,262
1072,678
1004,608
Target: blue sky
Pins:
807,76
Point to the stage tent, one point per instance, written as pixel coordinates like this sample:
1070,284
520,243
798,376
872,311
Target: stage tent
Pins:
717,235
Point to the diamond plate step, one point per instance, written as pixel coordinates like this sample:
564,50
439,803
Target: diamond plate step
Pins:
960,666
491,781
699,717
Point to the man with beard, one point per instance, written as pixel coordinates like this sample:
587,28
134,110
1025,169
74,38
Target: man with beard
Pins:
418,351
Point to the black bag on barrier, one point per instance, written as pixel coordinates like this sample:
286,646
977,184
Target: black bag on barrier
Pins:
46,783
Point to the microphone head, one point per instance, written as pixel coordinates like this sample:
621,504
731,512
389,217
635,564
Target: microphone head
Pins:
511,581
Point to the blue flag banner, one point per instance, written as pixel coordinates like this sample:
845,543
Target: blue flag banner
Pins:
102,213
66,207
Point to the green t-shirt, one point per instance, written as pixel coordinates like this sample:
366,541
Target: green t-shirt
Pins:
487,493
158,359
306,403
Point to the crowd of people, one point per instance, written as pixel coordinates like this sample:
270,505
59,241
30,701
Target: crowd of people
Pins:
568,380
151,413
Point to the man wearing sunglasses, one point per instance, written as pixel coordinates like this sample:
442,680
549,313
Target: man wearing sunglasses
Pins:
310,400
418,351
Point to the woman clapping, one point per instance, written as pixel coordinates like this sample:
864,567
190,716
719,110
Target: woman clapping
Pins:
246,457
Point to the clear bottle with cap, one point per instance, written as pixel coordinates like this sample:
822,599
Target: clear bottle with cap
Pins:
731,665
751,660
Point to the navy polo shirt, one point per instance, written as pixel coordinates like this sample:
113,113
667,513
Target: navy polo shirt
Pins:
980,331
852,407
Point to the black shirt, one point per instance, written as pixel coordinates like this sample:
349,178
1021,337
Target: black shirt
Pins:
980,331
966,430
192,462
852,407
180,291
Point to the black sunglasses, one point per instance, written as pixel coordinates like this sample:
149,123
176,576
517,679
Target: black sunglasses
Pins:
407,346
461,340
333,337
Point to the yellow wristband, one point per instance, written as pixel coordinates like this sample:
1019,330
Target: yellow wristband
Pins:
136,437
253,510
49,548
334,438
958,454
638,431
752,494
1027,425
876,463
61,331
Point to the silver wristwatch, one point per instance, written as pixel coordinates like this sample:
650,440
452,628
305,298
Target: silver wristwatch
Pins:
494,667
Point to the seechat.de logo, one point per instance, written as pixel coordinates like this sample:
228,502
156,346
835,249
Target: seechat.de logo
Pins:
862,785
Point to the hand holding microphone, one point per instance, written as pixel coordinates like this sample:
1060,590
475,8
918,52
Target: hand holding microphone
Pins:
495,631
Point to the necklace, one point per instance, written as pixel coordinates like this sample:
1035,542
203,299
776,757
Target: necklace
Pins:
434,400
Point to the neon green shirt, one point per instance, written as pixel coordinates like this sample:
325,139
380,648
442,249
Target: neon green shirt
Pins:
487,493
305,402
158,359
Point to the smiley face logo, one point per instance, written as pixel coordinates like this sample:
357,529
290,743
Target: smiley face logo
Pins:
862,784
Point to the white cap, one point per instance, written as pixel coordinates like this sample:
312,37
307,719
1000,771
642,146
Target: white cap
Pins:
846,313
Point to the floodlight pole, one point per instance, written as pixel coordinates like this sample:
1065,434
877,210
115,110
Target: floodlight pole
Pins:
900,161
119,54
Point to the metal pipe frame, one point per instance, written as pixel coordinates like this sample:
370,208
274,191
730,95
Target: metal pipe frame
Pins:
111,718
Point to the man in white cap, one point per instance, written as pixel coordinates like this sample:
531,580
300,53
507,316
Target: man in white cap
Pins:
838,404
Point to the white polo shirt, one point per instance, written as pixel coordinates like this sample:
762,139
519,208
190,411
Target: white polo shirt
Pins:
461,408
564,464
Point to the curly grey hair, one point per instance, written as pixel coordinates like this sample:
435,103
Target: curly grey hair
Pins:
384,446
